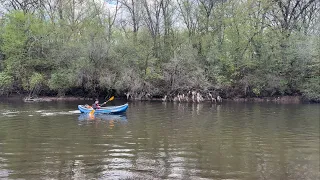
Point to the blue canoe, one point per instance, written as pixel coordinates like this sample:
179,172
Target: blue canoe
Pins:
104,110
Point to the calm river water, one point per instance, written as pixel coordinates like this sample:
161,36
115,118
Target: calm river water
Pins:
156,140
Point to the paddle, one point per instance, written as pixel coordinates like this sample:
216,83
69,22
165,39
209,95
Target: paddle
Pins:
92,112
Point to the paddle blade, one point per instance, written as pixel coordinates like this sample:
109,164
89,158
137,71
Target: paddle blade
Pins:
91,113
112,98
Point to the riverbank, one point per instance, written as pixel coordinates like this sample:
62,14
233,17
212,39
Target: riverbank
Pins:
44,98
278,99
48,99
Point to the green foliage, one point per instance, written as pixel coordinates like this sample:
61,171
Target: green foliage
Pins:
23,48
6,82
14,44
60,81
36,80
311,89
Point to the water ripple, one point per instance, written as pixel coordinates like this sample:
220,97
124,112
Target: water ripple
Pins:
161,141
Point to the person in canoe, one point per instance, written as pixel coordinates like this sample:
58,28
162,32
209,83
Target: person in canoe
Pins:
96,104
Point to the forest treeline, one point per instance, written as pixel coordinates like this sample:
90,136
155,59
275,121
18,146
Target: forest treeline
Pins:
231,48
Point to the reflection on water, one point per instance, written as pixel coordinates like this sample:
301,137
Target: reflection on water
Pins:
109,120
160,141
106,117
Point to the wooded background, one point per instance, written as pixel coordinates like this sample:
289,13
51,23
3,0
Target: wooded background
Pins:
234,48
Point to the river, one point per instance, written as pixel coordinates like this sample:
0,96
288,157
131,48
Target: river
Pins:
155,140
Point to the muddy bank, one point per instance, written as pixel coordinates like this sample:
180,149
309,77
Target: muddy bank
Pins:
282,99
